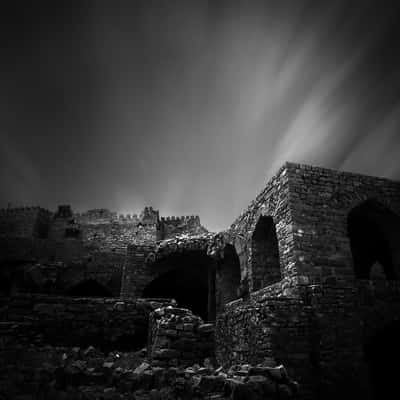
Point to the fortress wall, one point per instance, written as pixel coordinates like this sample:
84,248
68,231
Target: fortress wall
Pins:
40,250
69,260
96,216
116,236
172,226
24,222
320,202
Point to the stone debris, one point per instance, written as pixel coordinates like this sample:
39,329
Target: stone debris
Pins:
68,374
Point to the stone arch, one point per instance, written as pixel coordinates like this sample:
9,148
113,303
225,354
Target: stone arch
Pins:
227,277
88,288
345,201
188,277
265,262
374,233
21,276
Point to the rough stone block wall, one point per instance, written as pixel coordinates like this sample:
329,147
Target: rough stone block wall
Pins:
116,236
172,226
25,222
273,201
96,216
53,267
345,320
177,337
40,250
320,202
280,329
265,254
105,323
321,339
136,274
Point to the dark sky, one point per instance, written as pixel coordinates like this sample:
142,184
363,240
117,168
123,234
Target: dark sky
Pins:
191,106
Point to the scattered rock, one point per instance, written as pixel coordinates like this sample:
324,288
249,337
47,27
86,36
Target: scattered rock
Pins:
141,368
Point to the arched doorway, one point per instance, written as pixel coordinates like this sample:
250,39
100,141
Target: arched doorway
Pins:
88,288
16,277
382,353
374,233
227,277
187,277
265,265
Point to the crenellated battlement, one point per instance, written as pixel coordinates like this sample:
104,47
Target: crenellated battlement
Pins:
98,225
23,210
184,219
128,217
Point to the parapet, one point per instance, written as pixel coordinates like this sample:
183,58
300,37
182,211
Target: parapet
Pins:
96,216
184,219
23,210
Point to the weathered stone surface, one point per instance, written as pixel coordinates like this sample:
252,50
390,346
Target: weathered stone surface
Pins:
174,346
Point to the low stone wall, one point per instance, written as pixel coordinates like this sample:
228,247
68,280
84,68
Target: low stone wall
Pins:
278,328
177,337
108,323
321,339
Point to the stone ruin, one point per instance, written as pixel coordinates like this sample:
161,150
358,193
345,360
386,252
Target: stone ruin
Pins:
299,298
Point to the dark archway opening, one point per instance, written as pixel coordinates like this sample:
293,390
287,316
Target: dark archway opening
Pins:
88,288
189,278
227,277
265,254
374,233
15,278
382,354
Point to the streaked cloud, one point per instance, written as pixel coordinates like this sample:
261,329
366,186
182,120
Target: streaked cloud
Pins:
193,106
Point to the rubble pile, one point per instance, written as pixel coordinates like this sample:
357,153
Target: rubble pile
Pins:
88,374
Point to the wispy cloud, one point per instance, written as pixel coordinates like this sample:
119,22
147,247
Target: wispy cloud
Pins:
192,107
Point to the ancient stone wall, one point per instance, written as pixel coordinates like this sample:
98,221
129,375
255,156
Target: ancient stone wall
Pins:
136,274
323,337
24,222
105,323
98,216
320,202
53,267
177,337
173,226
273,202
347,319
279,329
139,270
41,250
116,236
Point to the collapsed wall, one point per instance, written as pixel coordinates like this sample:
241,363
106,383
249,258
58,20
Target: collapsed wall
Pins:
110,324
178,337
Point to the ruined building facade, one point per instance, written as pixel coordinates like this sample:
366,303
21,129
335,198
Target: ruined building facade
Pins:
307,275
